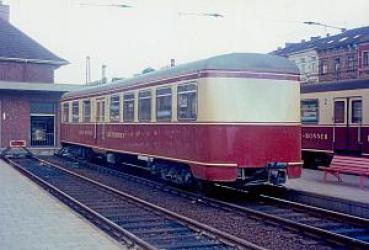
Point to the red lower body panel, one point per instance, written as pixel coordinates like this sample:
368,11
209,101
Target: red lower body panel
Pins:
330,139
214,152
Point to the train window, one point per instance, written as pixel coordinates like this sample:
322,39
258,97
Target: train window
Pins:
66,112
187,102
339,111
129,108
115,108
75,111
356,112
310,111
100,110
144,105
164,104
86,111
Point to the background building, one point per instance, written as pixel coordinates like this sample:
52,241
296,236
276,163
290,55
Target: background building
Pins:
342,57
28,96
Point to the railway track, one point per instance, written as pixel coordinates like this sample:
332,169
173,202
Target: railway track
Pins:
337,228
132,221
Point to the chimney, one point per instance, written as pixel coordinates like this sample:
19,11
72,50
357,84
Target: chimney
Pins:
4,11
88,69
303,40
288,44
314,38
172,62
328,35
103,74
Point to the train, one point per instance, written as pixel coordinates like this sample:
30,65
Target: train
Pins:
335,120
232,119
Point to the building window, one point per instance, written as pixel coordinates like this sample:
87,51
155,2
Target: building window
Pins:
187,102
115,108
350,63
366,59
313,65
324,68
42,108
164,104
337,64
310,111
75,111
86,111
144,105
356,114
100,110
42,131
65,117
129,108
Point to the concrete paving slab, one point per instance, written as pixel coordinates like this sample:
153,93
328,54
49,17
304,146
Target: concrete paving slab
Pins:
31,218
312,181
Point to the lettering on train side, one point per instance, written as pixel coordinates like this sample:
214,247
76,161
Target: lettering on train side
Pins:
85,132
115,135
315,136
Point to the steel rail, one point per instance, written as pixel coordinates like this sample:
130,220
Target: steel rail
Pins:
224,237
318,210
311,230
190,222
115,230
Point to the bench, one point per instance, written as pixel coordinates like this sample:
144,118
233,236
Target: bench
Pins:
348,165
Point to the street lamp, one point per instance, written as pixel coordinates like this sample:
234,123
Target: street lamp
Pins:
324,25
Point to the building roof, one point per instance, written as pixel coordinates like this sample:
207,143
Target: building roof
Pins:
230,62
17,46
46,87
353,36
334,86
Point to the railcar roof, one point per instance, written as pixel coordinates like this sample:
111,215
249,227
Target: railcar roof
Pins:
334,86
233,62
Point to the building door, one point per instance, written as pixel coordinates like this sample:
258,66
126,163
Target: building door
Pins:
347,124
42,131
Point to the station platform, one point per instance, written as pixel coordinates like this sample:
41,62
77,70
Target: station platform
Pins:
31,218
312,182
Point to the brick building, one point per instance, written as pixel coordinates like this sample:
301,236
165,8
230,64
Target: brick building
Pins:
342,57
28,95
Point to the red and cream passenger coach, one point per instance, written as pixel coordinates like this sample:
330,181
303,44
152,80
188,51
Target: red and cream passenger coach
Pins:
233,118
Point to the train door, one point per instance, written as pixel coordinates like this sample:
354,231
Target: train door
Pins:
355,123
347,124
100,118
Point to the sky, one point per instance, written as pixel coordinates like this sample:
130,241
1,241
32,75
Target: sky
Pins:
152,32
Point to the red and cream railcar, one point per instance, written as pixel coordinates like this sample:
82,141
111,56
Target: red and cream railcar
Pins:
232,118
335,119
